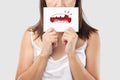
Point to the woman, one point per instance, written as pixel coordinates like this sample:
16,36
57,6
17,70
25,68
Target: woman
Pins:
59,55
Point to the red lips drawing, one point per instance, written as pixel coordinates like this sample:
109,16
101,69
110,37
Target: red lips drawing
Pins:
62,18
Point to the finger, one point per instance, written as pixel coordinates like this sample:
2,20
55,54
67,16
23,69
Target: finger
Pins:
53,37
66,38
70,30
54,40
65,34
53,33
50,30
70,34
70,37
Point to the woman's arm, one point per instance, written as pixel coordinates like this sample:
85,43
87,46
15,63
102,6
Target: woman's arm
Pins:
91,71
27,68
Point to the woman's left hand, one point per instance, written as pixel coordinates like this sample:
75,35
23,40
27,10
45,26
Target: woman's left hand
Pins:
70,39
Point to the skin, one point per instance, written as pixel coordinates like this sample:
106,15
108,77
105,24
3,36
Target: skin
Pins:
56,45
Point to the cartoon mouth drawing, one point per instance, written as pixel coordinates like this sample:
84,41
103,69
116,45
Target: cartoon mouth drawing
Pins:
61,17
65,18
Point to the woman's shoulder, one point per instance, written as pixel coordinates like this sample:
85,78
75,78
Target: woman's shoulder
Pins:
94,38
28,33
26,36
32,37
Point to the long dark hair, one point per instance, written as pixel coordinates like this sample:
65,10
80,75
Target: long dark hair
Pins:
84,28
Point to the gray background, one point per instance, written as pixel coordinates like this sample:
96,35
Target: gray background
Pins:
17,15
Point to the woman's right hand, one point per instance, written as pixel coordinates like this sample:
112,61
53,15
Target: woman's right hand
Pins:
49,39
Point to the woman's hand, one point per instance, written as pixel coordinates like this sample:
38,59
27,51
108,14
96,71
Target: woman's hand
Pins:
70,39
49,39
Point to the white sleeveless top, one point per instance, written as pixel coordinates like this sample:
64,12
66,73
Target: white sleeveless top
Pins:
59,69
